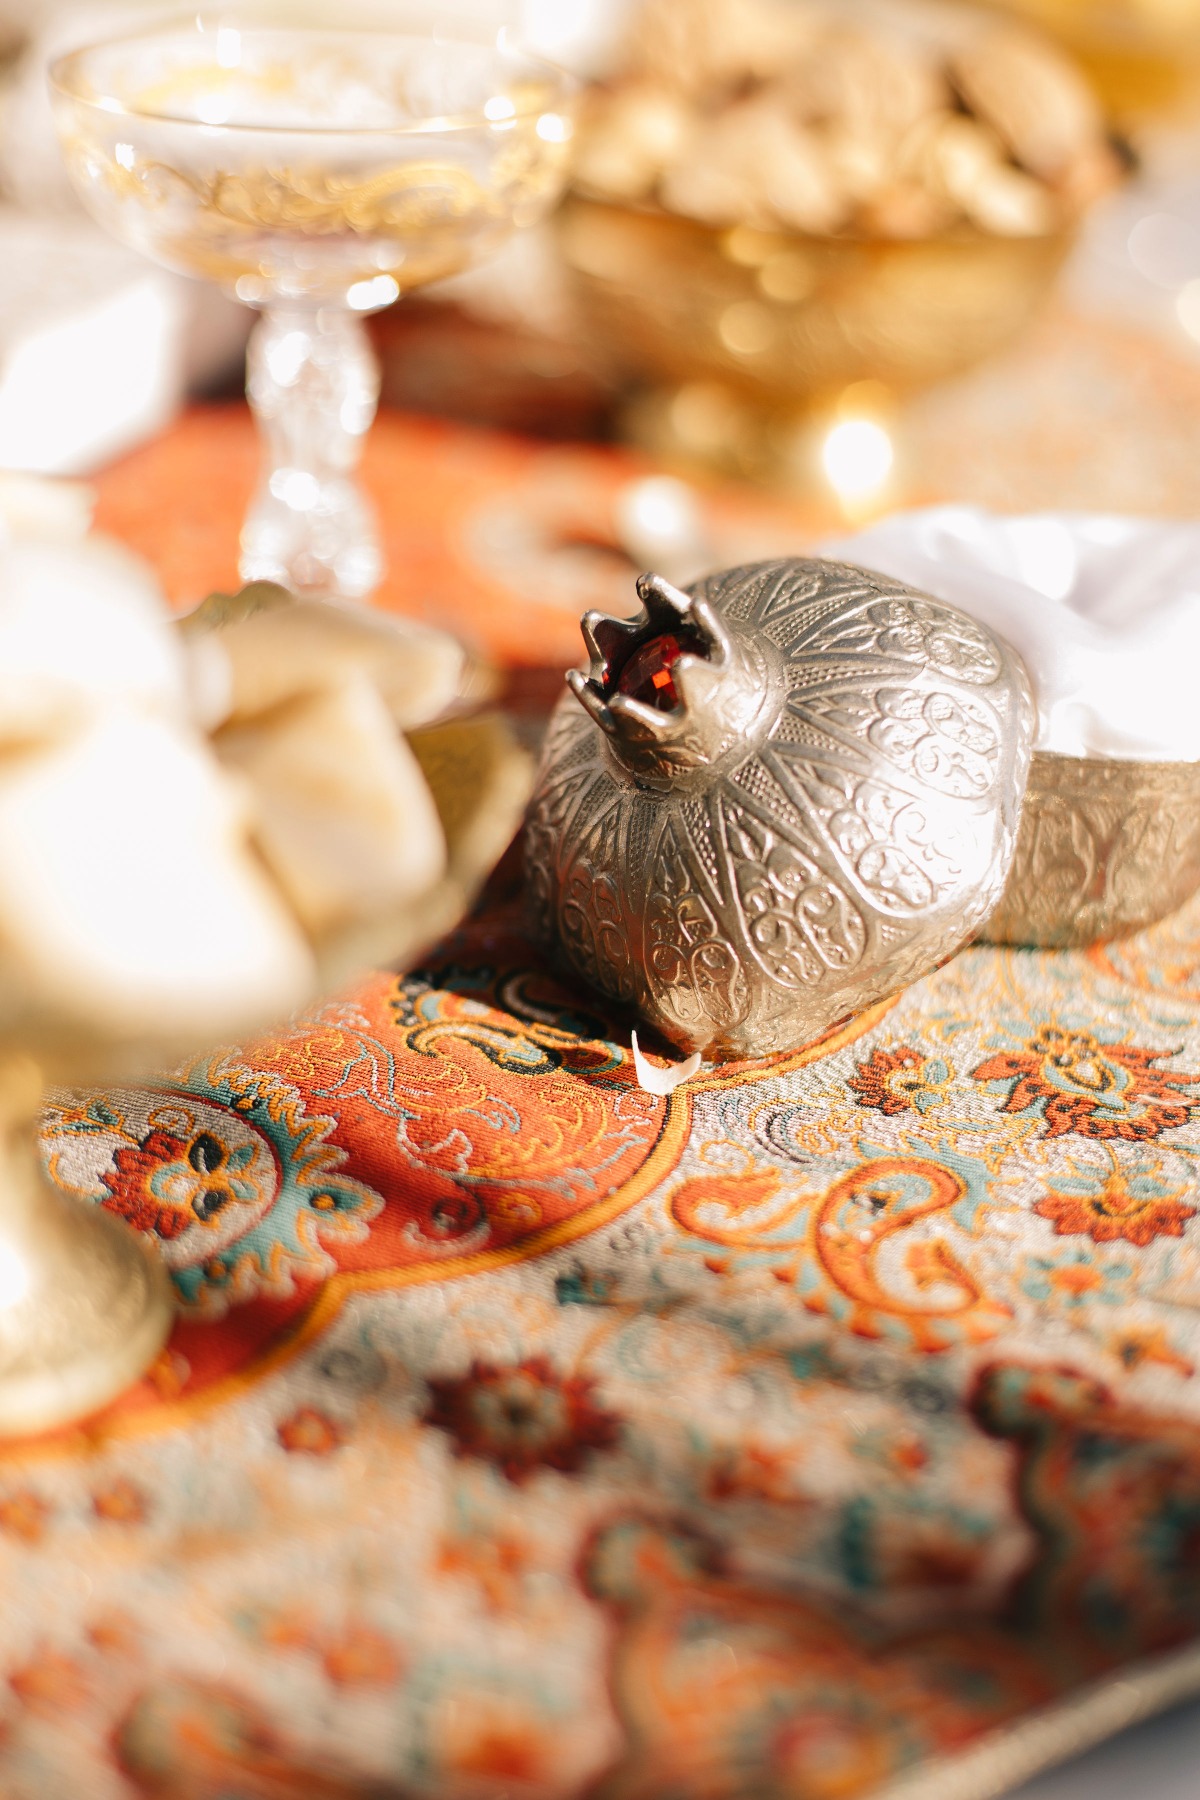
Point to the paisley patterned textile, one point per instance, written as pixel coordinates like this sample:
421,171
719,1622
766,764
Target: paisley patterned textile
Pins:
829,1430
810,1431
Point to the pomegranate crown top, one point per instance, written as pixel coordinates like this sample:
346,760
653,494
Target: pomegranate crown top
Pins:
673,689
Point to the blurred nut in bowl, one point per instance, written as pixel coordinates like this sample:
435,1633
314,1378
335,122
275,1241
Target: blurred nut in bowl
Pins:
698,46
646,132
1142,55
927,164
1041,106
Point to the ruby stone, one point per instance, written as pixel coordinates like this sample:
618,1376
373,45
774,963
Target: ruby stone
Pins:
647,674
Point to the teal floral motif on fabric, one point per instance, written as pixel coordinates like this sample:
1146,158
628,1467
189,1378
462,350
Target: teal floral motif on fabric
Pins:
226,1169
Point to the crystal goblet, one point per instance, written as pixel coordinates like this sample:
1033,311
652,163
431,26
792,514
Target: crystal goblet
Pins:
316,175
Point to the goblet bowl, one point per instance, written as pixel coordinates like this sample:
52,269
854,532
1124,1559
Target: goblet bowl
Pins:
317,174
305,165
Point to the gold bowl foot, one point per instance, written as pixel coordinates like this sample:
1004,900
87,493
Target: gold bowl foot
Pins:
85,1304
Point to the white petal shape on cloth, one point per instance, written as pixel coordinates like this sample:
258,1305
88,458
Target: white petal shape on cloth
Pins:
661,1081
1104,611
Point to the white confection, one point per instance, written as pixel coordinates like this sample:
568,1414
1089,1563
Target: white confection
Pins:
134,909
130,904
35,506
91,351
82,628
1104,611
273,655
345,819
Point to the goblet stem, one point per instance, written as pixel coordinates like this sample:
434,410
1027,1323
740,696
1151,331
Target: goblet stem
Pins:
313,383
85,1304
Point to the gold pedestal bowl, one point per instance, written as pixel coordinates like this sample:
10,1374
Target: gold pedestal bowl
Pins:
783,321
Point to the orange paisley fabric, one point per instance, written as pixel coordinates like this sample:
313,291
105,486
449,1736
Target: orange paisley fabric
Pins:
524,1434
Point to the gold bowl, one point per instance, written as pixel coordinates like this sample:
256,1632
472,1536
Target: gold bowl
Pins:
786,319
1104,848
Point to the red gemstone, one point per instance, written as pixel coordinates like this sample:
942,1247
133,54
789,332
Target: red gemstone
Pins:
647,675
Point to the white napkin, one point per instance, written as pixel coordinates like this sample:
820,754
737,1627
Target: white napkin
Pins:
1104,611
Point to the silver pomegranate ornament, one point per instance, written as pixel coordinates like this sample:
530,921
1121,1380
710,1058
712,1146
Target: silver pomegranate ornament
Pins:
776,798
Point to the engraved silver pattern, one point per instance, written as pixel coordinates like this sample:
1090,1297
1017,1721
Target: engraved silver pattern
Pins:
828,811
1105,848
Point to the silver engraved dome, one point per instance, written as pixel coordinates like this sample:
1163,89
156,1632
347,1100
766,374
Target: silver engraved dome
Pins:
776,798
